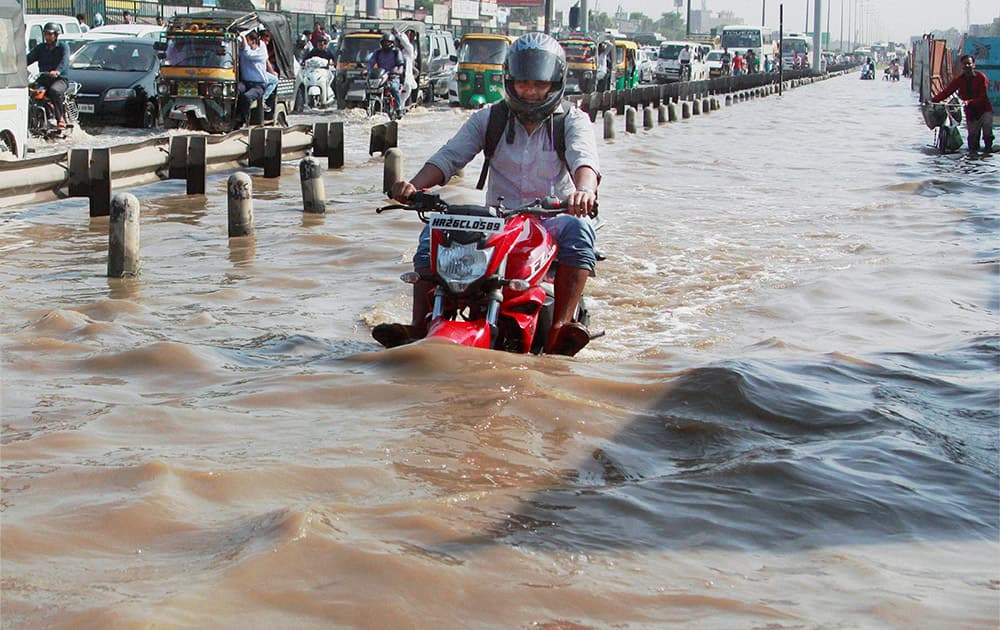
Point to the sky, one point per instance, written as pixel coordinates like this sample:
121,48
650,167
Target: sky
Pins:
894,20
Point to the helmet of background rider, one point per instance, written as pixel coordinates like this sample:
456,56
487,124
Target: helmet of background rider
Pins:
52,27
535,57
387,41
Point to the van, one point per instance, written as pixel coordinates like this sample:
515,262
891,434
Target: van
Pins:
33,25
437,63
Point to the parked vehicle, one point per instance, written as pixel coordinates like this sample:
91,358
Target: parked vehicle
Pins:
479,78
13,82
432,69
647,63
581,62
378,96
350,84
200,70
668,65
42,119
492,268
716,67
315,85
626,64
117,79
146,31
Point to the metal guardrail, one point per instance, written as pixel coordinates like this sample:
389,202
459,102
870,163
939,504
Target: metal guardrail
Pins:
48,177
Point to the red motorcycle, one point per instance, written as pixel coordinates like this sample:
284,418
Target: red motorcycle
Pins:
492,271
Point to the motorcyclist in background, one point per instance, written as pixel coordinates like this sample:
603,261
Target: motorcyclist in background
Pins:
388,58
53,61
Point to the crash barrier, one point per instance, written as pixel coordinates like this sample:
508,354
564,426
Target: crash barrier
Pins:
91,172
682,101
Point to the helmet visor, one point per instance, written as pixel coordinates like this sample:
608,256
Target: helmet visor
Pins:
535,64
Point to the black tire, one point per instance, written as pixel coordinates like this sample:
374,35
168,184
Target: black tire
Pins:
300,100
147,118
370,106
389,109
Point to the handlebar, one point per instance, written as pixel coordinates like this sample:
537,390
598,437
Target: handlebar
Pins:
423,202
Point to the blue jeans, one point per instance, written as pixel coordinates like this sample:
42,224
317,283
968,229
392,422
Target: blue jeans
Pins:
270,83
394,90
574,235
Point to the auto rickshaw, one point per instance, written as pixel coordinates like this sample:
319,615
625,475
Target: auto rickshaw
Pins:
198,85
626,64
582,72
480,68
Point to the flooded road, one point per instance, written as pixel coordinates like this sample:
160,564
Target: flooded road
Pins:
791,422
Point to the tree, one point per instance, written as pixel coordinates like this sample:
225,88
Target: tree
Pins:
671,26
600,21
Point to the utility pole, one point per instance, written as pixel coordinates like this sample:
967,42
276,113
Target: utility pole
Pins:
763,12
841,47
687,23
817,36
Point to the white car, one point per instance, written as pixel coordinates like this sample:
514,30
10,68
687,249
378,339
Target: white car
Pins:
647,63
150,31
714,61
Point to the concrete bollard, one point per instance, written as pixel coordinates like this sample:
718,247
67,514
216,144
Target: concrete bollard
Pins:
672,112
630,119
123,236
685,110
393,169
695,107
729,100
706,106
661,114
100,182
313,190
609,125
647,117
240,192
196,175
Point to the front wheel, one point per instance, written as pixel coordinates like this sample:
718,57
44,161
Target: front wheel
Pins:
370,107
300,100
147,118
389,107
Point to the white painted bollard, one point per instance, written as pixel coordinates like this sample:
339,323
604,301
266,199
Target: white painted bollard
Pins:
695,107
313,189
630,120
661,114
240,193
123,236
672,112
685,110
393,169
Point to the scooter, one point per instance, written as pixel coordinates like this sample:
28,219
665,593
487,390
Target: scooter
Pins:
315,85
42,120
492,271
378,96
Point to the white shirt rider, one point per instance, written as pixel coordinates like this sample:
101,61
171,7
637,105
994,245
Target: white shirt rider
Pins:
684,56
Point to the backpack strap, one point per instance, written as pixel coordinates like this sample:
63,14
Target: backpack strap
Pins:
498,123
494,131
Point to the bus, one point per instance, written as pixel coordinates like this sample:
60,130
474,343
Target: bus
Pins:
741,38
795,43
13,81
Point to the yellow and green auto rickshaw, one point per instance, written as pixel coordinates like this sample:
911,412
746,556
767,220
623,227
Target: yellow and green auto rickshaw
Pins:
200,69
626,64
479,75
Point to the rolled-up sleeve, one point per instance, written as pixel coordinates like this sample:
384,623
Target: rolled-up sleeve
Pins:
463,146
581,146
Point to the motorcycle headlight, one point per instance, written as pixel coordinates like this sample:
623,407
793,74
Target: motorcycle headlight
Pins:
461,265
119,94
587,74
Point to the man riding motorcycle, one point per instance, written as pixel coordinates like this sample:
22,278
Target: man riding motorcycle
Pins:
534,76
53,61
388,58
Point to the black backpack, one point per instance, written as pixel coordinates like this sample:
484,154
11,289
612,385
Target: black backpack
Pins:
498,123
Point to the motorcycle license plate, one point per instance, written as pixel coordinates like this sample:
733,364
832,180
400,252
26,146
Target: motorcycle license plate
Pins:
187,89
463,223
85,108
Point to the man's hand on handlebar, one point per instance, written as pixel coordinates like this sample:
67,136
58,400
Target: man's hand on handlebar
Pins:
581,203
402,191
